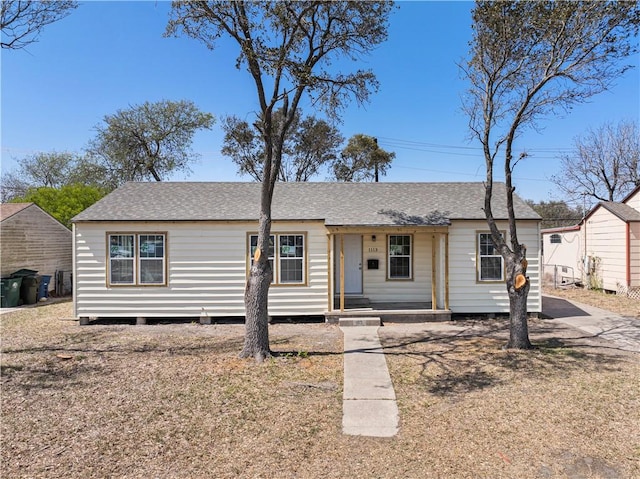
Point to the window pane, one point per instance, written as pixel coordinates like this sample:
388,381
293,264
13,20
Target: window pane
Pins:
291,246
121,246
253,244
121,259
151,246
291,249
291,270
491,268
121,271
486,245
557,239
151,271
399,256
399,267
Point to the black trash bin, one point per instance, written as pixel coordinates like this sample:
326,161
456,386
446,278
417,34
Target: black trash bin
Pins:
29,289
10,292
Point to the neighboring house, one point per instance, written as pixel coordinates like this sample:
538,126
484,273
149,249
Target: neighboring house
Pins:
608,246
185,249
32,239
562,253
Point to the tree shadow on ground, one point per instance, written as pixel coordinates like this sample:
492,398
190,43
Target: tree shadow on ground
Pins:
473,358
63,362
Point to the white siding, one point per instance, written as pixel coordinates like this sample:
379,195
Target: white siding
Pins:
466,294
607,242
206,268
565,257
634,250
378,288
634,201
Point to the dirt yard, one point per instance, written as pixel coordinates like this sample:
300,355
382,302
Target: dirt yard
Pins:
174,401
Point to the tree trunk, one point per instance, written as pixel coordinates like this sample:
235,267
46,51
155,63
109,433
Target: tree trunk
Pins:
518,293
256,295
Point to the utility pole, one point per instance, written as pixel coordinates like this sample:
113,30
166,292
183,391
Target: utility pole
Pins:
375,164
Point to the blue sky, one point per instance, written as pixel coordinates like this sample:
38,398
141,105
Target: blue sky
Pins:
109,55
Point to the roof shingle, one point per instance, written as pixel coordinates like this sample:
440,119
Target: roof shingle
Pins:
355,204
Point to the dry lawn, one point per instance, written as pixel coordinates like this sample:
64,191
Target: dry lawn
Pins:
173,401
618,304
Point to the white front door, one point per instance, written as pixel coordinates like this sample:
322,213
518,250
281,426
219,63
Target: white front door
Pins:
352,264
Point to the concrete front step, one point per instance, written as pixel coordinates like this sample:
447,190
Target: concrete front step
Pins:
359,321
390,316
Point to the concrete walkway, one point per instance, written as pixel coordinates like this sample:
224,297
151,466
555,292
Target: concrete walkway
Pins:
368,402
624,332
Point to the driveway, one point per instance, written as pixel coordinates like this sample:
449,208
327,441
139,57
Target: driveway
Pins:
623,331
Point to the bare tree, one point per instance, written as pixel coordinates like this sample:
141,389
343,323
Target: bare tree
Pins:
21,21
53,170
605,164
309,145
289,49
528,60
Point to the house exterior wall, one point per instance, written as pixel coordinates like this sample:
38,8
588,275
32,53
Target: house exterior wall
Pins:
563,260
634,254
207,264
466,294
378,288
606,237
31,239
634,201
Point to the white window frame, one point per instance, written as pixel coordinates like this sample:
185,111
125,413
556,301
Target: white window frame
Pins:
136,259
115,253
390,256
161,260
276,259
271,257
481,256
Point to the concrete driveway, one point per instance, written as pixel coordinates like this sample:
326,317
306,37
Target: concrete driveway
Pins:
623,331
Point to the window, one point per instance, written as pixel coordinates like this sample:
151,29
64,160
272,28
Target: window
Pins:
151,259
399,257
490,262
121,260
253,245
555,238
287,260
137,259
291,258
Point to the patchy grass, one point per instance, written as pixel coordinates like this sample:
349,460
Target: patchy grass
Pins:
174,401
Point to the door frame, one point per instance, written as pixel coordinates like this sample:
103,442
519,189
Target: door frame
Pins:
352,248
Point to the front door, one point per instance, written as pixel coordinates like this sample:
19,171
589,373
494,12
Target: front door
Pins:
352,264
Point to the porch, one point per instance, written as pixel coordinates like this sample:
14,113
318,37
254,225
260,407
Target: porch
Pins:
399,274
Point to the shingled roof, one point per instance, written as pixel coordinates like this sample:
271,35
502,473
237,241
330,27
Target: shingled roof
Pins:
621,210
7,210
356,204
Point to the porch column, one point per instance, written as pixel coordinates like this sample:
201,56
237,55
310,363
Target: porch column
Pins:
434,297
446,271
341,272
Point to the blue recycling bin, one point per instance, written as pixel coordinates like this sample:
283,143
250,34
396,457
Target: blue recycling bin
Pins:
43,289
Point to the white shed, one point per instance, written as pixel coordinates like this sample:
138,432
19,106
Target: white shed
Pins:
612,246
